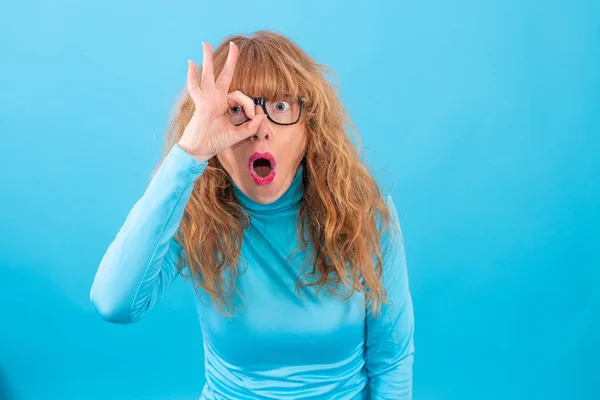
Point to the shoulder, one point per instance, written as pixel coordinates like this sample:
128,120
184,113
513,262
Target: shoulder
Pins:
391,236
391,208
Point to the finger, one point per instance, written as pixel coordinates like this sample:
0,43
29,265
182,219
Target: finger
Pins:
208,79
192,80
224,79
237,97
249,128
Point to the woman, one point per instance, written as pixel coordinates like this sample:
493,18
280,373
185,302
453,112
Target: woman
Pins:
261,200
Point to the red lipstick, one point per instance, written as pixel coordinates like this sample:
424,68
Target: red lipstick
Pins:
262,168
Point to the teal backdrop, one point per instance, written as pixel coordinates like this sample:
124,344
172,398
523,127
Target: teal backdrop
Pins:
483,117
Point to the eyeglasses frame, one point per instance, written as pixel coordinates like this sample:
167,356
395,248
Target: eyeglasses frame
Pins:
262,101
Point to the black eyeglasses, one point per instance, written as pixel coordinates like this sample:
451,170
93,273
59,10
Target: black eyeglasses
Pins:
280,112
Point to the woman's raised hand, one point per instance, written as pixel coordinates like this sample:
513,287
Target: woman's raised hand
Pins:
209,131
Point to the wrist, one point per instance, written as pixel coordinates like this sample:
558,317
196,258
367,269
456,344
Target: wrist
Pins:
198,157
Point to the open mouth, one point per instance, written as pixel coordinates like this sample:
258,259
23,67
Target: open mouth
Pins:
262,168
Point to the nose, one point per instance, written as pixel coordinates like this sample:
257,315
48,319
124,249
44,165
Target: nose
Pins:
262,132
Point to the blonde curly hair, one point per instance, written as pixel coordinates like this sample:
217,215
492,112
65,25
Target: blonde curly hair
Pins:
343,208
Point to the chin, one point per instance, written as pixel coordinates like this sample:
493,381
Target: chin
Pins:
264,194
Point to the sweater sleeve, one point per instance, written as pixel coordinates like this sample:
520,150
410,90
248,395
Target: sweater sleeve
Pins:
140,262
389,343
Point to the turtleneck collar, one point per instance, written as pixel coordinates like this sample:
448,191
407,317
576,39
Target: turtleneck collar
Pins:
288,201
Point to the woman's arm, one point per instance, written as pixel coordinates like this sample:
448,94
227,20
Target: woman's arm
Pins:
390,345
140,263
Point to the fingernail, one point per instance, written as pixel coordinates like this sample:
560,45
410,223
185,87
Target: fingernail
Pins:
230,44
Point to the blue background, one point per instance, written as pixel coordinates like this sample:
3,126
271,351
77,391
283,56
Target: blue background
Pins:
485,114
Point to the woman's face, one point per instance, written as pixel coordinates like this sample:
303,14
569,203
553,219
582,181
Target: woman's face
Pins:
256,178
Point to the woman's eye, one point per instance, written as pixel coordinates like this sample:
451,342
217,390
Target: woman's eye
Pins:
235,110
281,106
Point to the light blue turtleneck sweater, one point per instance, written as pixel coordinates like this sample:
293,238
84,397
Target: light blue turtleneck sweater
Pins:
279,345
